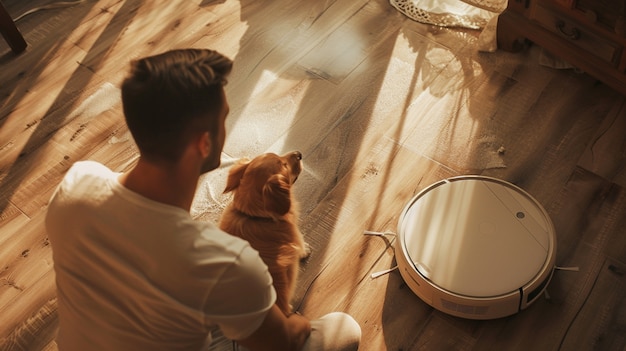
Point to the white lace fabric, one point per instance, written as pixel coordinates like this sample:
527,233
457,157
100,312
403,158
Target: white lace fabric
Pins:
474,14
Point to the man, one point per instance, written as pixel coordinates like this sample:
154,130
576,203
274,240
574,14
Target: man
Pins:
133,270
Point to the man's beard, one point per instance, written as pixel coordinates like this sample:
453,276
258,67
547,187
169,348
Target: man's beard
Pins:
211,163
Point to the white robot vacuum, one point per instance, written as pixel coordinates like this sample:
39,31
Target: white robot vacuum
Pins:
476,247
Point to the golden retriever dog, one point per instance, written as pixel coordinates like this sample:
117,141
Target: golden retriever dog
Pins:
264,213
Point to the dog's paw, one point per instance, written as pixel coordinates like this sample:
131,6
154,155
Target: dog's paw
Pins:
306,251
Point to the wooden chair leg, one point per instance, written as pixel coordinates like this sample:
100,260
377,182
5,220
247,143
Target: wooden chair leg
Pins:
10,32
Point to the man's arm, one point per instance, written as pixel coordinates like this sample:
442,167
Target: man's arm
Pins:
279,332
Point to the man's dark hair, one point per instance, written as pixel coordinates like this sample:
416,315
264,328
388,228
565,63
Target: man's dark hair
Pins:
168,96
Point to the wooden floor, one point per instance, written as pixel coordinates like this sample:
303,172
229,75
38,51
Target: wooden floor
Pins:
379,105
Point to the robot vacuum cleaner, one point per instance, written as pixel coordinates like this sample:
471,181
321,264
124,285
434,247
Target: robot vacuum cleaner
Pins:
476,247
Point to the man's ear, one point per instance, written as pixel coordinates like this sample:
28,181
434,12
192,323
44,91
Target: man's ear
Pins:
204,144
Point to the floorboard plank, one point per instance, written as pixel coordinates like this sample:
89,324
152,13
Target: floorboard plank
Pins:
606,153
601,322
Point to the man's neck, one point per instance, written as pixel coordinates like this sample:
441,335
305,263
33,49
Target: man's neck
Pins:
170,185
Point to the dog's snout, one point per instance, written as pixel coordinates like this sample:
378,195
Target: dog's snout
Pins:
298,155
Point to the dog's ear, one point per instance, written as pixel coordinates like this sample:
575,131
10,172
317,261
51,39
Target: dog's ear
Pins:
235,174
276,197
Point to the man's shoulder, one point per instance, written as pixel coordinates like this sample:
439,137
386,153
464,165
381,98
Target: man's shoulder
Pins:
88,168
86,171
86,177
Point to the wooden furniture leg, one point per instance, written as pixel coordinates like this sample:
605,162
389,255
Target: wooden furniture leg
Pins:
508,36
10,32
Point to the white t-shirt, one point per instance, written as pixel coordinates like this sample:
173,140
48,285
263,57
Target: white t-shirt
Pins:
136,274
